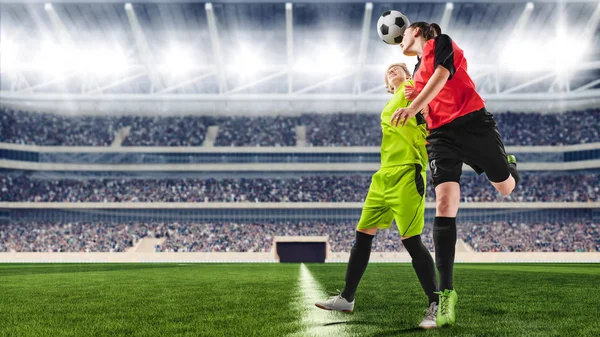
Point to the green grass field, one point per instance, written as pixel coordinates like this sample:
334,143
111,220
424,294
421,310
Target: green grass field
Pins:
276,300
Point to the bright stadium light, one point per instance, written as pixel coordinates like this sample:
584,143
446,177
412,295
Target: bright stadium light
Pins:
128,6
8,55
523,55
330,60
48,6
249,63
177,61
56,59
576,50
102,62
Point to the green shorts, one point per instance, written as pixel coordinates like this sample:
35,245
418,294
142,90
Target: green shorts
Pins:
396,193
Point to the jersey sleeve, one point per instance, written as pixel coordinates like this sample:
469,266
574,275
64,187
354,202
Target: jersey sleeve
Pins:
444,54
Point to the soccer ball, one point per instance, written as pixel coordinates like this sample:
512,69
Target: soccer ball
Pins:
391,26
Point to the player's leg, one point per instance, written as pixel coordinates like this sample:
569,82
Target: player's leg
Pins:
374,215
508,185
444,238
407,198
446,170
483,147
357,264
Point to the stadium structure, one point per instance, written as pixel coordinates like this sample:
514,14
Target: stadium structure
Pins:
114,113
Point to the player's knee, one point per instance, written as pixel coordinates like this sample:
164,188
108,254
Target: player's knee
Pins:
445,205
505,191
506,187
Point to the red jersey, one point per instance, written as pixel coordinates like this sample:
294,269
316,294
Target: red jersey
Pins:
458,97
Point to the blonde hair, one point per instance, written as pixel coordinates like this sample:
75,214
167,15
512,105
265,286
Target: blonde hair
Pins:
388,85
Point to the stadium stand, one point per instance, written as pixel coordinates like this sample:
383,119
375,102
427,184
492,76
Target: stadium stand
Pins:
257,131
540,187
166,131
574,236
575,127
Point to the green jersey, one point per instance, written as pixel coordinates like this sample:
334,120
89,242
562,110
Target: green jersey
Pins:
402,145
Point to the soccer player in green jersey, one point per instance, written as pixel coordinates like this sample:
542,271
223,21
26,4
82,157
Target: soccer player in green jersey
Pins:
397,193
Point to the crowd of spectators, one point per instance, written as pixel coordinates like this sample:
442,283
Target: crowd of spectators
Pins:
341,129
534,187
573,236
68,237
166,131
532,237
257,131
56,130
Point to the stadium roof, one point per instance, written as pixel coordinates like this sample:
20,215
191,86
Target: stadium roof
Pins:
273,56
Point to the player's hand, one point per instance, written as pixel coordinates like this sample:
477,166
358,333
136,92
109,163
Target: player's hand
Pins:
410,92
402,115
425,111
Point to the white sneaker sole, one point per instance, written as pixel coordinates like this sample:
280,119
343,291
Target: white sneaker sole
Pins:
327,308
428,326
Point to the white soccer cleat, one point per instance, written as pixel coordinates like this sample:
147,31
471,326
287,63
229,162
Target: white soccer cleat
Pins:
338,303
429,322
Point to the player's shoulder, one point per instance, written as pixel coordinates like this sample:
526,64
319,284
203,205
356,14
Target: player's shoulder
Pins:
442,39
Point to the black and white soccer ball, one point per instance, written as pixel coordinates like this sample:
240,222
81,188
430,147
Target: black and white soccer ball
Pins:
391,26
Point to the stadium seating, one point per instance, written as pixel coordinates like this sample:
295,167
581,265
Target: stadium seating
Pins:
19,127
572,236
534,186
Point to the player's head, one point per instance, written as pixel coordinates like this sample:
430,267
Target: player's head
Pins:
416,35
395,75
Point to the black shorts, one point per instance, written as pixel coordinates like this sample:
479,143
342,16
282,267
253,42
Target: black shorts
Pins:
472,139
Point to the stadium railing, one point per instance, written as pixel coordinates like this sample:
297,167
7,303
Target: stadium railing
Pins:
10,153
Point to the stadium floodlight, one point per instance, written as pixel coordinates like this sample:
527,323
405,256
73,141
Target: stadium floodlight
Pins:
177,61
446,16
529,6
250,63
103,62
330,60
57,59
128,6
577,49
48,6
8,55
523,55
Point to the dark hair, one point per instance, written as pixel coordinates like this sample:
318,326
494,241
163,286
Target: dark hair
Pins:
428,30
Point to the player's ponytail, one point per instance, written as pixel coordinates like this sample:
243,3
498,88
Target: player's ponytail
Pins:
435,29
428,30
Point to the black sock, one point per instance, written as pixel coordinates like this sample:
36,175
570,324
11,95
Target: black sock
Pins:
444,238
359,258
423,264
512,168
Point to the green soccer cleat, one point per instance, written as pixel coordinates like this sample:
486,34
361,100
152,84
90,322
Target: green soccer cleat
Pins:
512,167
446,314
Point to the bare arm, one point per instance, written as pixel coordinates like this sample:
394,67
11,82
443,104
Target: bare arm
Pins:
432,88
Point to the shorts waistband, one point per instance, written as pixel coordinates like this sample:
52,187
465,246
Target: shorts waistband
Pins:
462,120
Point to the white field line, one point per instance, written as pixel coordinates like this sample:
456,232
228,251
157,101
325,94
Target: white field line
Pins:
318,322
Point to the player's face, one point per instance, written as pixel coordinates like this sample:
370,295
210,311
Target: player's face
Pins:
396,76
408,42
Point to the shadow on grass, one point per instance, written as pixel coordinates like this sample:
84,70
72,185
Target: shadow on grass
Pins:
398,332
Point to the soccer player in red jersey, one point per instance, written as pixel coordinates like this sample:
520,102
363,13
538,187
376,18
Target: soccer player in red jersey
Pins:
461,131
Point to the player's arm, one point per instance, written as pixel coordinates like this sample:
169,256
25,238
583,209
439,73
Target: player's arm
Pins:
444,70
432,88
